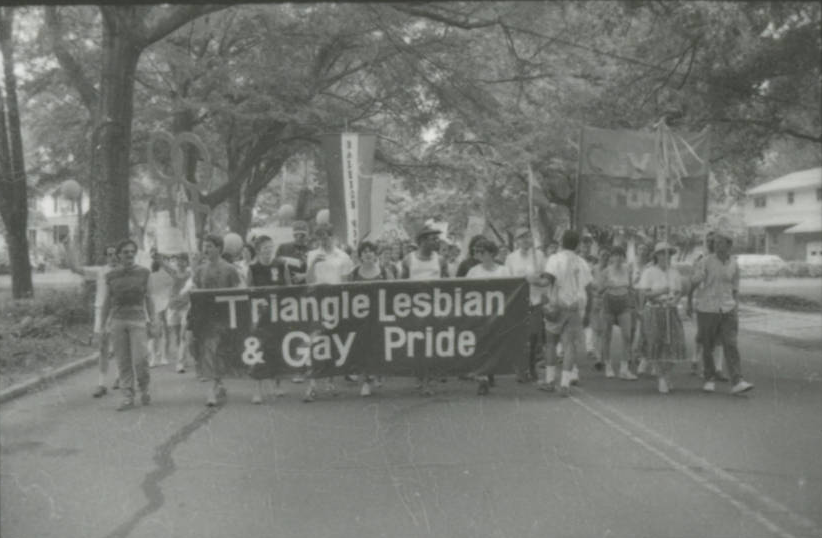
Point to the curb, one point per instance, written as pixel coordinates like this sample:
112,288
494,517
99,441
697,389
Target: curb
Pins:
45,376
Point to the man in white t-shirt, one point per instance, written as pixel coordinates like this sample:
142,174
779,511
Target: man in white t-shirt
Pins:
528,263
568,310
327,264
98,273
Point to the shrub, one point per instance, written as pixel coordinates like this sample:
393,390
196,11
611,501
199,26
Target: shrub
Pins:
70,307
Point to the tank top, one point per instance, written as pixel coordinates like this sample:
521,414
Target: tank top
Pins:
424,269
616,283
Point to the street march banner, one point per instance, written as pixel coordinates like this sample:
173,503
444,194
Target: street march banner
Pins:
349,163
394,328
619,178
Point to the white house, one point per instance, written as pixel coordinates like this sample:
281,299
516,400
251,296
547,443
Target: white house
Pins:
786,215
53,218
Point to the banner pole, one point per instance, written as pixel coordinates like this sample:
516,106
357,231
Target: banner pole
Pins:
575,221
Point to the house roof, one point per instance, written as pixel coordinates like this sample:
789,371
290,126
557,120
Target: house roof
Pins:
795,180
812,224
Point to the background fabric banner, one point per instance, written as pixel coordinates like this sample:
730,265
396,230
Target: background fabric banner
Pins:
618,179
395,328
349,163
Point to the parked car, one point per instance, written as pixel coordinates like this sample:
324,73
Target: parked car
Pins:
753,265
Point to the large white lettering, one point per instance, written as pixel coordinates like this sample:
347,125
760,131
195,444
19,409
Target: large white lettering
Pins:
446,343
300,349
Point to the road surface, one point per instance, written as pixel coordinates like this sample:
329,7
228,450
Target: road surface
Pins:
616,459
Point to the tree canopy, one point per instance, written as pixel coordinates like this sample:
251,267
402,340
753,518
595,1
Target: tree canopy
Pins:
464,95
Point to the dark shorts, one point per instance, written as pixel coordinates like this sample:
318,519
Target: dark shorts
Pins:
615,305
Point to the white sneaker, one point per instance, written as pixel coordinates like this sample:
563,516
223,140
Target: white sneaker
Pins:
163,361
365,390
574,377
643,366
742,386
709,386
257,399
663,386
625,373
609,371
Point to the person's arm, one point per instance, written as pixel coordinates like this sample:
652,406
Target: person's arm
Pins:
286,274
106,303
313,260
406,268
735,282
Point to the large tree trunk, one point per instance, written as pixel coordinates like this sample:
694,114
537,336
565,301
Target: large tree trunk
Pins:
240,209
14,195
110,193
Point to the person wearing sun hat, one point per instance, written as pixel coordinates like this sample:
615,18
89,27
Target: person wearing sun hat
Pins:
660,288
718,317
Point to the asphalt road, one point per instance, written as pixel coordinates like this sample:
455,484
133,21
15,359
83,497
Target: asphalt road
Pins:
616,459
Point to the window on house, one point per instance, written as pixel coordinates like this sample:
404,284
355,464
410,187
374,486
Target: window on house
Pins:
759,201
790,198
60,233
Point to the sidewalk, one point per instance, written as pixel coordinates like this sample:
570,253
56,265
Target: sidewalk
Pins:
806,327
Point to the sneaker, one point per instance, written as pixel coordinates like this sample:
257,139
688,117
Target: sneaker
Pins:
310,395
298,379
483,387
626,374
546,387
181,369
643,366
257,399
742,386
709,386
152,363
145,398
100,391
609,371
663,386
126,404
365,390
211,401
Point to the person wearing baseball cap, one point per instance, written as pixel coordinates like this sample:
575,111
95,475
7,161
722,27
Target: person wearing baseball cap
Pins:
717,315
425,263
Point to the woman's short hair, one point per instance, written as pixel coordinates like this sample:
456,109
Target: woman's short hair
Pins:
367,245
486,245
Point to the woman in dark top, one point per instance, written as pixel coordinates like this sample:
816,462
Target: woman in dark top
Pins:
267,271
369,269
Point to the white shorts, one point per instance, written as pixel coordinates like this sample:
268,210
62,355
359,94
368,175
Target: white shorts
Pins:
175,317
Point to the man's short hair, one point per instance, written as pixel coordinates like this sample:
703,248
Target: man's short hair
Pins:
488,246
570,239
215,240
260,239
122,244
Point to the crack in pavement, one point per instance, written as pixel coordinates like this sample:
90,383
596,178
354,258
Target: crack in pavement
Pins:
165,467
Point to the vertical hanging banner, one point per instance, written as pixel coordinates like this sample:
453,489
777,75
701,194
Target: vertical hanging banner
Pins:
619,173
349,163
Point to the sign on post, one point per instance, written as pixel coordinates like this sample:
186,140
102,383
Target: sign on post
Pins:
619,180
